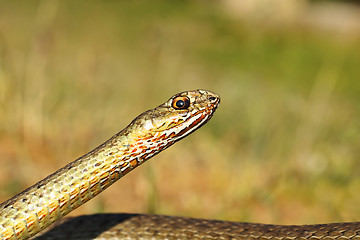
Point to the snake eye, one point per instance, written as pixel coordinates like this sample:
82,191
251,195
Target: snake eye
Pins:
181,103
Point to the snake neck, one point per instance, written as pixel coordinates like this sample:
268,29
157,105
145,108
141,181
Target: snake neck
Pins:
79,181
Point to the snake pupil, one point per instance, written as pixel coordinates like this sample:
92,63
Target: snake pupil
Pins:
180,103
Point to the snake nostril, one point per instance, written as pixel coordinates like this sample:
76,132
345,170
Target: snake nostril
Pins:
212,98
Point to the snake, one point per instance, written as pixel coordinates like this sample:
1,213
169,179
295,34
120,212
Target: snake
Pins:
28,213
38,206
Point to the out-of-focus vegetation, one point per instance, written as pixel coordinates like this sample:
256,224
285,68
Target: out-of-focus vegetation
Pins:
283,146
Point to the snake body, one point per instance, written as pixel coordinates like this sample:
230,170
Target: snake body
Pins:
34,209
144,226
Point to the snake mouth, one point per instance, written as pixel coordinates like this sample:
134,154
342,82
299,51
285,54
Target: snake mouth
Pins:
197,120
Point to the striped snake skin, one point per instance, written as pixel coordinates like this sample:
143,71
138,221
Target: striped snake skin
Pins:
39,206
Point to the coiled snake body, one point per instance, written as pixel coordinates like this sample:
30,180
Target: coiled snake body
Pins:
40,205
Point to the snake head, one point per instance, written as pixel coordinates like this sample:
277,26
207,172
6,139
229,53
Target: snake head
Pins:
182,114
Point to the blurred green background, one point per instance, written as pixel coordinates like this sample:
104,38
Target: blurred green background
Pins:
283,146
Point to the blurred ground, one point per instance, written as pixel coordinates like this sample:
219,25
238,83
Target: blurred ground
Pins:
283,146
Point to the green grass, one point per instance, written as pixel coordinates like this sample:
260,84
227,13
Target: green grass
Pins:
282,148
